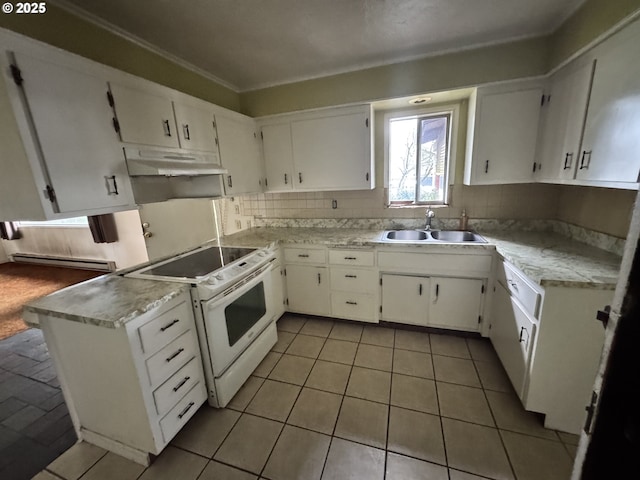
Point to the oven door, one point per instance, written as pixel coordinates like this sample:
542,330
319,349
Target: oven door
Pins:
235,318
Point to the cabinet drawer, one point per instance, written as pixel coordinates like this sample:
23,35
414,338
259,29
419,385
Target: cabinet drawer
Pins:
305,255
164,328
354,280
360,258
168,360
182,412
168,394
520,287
354,306
435,263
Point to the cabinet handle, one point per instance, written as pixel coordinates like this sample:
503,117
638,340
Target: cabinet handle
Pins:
300,176
437,290
182,382
175,354
350,276
303,255
169,325
184,412
350,258
351,303
568,160
286,179
112,185
185,132
420,290
229,182
486,166
319,279
585,154
167,128
535,166
512,283
522,330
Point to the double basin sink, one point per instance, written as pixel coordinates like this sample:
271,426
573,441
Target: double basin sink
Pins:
432,236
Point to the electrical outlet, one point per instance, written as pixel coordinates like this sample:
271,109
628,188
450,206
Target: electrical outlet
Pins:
237,209
238,224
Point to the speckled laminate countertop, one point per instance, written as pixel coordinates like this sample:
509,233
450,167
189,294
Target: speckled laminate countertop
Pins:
107,301
547,258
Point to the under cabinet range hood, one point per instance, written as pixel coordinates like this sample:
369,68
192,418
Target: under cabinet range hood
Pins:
158,175
169,163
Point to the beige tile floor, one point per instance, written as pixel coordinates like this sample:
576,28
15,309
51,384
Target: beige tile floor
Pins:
337,400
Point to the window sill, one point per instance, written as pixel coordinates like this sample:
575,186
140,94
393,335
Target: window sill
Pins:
419,205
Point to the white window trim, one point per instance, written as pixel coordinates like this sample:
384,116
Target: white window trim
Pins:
454,111
43,224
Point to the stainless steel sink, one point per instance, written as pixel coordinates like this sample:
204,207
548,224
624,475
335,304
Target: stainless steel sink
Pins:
432,236
457,236
406,235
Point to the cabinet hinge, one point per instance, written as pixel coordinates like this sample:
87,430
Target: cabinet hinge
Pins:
380,308
534,167
262,135
591,409
17,75
266,182
286,301
214,124
482,289
116,125
216,139
110,98
380,281
50,193
285,272
479,319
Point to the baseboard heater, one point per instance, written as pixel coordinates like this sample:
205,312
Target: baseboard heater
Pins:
86,264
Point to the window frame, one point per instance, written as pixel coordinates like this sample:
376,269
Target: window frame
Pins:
55,223
453,111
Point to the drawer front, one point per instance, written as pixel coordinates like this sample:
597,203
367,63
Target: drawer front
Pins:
359,258
520,287
158,332
305,255
182,412
354,306
170,392
171,358
432,264
354,280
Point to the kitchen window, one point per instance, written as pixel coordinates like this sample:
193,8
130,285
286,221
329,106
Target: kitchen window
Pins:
419,146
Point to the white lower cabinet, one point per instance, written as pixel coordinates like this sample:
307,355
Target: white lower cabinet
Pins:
354,284
130,389
456,303
549,343
308,289
405,299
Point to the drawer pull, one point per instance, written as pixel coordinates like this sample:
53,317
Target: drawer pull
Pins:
169,325
175,354
513,284
184,412
350,276
303,255
179,386
350,258
348,302
522,330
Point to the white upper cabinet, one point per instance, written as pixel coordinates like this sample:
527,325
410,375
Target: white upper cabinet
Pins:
320,150
240,154
144,118
611,145
562,123
502,134
278,156
71,162
196,127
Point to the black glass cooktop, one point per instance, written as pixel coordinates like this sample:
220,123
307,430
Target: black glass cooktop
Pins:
200,263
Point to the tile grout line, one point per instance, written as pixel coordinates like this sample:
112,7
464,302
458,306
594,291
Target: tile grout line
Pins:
435,383
386,444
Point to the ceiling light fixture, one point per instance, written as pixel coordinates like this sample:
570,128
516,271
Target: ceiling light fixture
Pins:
419,100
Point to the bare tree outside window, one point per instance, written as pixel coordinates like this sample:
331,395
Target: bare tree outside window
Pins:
419,159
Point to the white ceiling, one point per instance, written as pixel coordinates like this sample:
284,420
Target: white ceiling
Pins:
250,44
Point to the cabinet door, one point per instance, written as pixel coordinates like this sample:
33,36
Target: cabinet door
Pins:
332,153
308,289
563,123
405,299
277,291
611,144
73,123
505,137
240,155
512,334
144,118
456,303
278,157
196,128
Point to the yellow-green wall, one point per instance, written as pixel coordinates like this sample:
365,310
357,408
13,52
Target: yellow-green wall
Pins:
69,32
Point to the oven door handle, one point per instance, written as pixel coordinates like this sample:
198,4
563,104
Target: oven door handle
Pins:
241,289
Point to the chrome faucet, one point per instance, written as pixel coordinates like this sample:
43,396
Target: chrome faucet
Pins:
429,214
